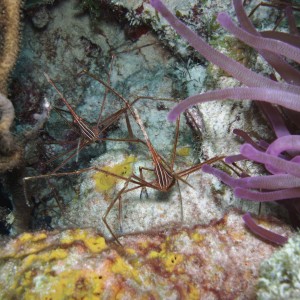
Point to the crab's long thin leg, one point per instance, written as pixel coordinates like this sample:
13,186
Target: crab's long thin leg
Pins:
105,84
172,167
180,200
175,144
118,197
77,149
73,113
199,166
112,203
106,91
45,176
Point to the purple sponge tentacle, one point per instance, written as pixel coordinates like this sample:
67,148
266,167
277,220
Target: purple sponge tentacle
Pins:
262,232
234,68
267,182
283,98
276,163
284,143
257,41
256,196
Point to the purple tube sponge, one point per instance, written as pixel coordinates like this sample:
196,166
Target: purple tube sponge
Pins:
235,69
275,96
259,42
280,158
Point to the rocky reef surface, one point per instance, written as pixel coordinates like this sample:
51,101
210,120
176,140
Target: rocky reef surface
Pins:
218,261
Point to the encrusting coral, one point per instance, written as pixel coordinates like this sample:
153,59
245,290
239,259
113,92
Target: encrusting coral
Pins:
218,261
283,183
279,275
10,15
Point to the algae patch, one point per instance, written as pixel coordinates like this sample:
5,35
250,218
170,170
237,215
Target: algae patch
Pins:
105,182
183,151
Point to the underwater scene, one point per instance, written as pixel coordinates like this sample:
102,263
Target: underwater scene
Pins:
149,149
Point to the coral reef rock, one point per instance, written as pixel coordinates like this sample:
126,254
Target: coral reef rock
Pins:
220,260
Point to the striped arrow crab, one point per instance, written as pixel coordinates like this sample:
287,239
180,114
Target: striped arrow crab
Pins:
87,134
162,177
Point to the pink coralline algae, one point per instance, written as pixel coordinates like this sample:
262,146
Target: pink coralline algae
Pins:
218,261
281,157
